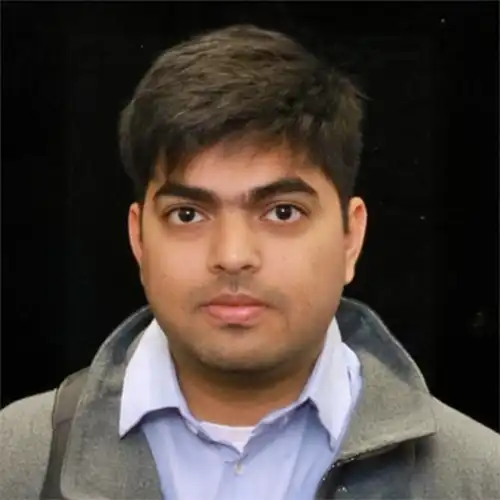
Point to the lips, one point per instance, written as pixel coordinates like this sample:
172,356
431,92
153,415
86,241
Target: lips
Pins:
235,309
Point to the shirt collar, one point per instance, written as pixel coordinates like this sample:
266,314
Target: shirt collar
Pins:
330,387
150,382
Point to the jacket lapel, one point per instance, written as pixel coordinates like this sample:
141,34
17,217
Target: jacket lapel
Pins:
377,458
99,465
395,404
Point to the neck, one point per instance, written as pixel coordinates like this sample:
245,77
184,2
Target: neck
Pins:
240,399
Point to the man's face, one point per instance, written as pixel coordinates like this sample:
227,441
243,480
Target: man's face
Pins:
243,257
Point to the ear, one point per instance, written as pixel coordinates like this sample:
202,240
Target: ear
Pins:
135,232
354,238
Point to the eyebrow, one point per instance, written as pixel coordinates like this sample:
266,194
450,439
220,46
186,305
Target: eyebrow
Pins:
286,185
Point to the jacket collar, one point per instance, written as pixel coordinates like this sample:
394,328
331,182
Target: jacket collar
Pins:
394,406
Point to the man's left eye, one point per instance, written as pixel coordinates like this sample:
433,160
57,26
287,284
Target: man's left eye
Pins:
284,213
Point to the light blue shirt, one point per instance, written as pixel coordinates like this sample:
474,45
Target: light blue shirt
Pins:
283,457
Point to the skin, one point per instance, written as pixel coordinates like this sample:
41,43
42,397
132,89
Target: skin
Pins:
287,249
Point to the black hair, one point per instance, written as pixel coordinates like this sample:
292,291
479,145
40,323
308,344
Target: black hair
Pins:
242,83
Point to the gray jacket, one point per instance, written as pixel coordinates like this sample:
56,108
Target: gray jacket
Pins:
401,444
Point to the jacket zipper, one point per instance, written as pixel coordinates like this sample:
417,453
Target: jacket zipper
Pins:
338,465
335,467
324,479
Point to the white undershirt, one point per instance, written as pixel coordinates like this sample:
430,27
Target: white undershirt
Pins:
236,436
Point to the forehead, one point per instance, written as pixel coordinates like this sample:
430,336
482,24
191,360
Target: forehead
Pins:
231,170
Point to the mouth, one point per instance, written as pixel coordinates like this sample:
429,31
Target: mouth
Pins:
241,310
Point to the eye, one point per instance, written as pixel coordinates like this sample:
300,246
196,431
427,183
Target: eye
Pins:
284,213
183,216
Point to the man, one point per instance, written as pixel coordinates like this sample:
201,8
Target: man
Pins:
248,375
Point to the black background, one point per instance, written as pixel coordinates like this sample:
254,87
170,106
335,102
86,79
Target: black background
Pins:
429,175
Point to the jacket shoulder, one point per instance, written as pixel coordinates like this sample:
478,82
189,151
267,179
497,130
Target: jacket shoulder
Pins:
25,437
474,440
463,457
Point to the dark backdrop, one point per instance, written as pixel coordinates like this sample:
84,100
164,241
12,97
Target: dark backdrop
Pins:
429,175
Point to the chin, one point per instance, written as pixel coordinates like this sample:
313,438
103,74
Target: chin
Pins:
241,362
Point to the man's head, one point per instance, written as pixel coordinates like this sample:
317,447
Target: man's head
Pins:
243,149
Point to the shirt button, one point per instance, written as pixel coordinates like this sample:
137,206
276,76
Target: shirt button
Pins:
238,468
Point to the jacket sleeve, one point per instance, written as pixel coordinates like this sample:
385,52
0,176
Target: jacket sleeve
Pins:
25,438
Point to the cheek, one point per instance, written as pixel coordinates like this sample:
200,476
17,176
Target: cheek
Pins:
322,289
312,268
171,269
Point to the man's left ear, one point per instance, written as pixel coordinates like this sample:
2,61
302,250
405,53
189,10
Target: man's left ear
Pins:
355,236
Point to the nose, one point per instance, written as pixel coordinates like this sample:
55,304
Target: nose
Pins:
234,247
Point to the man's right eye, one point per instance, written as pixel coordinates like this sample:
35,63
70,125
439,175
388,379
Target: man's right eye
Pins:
184,215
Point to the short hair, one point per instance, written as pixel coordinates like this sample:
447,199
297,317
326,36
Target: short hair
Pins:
242,83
